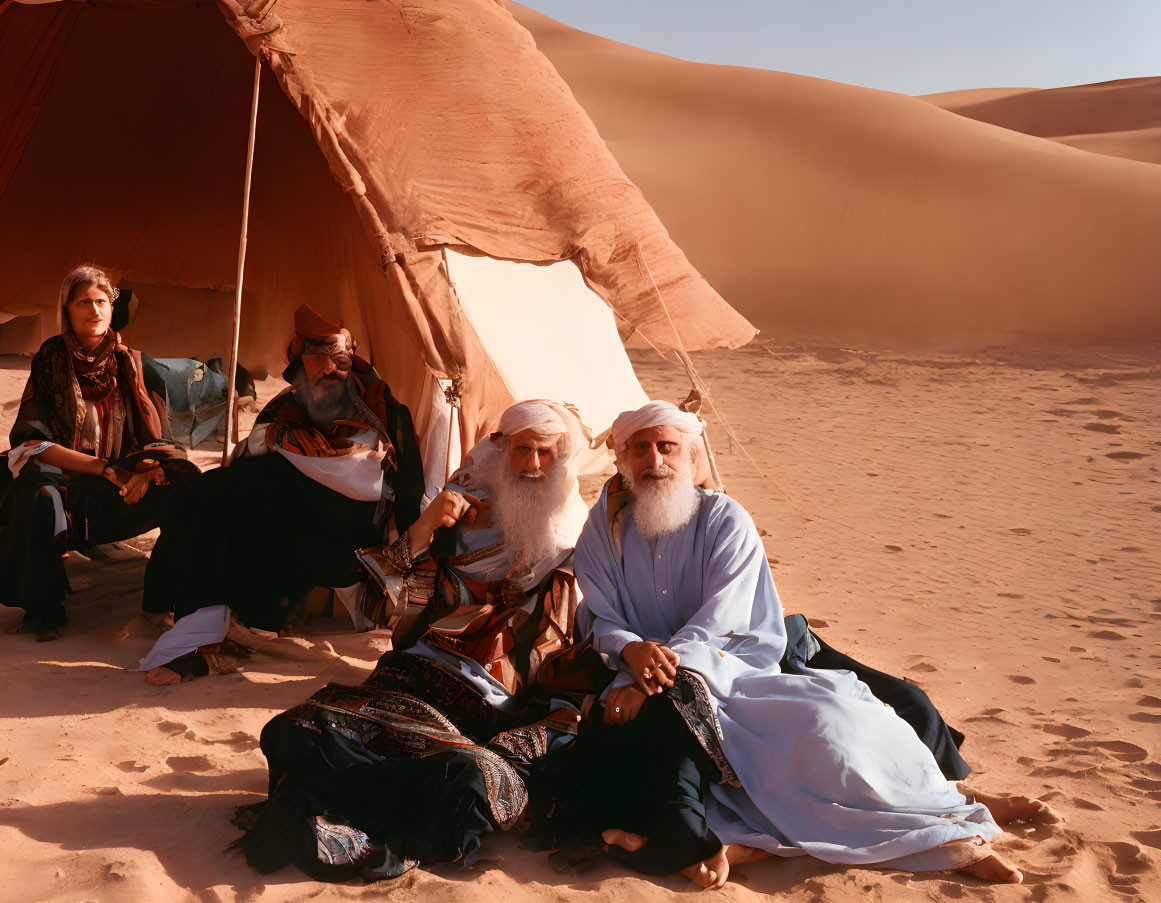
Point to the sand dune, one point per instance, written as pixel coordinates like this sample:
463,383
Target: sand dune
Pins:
818,208
1120,118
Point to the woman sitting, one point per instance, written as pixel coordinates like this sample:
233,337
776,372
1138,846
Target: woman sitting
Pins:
88,462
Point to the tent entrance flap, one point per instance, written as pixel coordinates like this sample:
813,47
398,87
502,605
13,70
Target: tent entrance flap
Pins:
549,336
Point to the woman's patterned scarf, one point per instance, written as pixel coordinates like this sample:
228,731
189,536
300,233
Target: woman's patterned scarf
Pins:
96,370
66,378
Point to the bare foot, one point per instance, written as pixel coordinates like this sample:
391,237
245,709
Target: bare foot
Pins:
48,634
163,677
1007,809
615,837
711,872
993,868
737,853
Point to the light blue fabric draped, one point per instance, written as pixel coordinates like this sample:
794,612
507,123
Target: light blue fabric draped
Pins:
824,767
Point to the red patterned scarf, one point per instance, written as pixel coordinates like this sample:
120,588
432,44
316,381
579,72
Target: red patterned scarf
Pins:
291,429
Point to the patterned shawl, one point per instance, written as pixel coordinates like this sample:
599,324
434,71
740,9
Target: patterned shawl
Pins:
65,377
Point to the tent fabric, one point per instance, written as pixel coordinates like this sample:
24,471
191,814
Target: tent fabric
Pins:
496,154
439,123
27,76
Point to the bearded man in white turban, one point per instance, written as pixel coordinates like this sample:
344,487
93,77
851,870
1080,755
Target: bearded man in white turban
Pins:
679,601
428,753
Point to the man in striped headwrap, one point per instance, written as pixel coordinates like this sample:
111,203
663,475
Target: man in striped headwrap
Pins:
332,464
434,748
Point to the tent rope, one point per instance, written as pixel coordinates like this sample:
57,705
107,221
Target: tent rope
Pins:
700,392
697,383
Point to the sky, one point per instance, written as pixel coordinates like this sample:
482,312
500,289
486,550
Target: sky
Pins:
908,46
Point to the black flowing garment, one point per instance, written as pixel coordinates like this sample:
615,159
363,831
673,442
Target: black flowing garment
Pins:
52,409
411,766
257,536
260,534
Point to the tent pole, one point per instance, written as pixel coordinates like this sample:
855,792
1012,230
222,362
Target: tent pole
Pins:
231,433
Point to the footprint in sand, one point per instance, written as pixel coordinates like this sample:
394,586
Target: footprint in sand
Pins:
130,765
1010,595
1145,717
1103,428
240,741
1106,635
1087,804
1020,531
1151,701
1068,731
1125,456
893,548
1120,749
1128,858
925,667
171,727
1149,838
1021,679
188,764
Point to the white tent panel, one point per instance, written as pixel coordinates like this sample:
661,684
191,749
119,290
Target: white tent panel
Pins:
549,336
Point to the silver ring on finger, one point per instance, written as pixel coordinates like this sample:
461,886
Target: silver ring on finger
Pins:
617,710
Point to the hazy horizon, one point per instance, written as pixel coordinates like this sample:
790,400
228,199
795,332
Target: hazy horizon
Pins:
908,46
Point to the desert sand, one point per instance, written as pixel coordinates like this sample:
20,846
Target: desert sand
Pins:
983,523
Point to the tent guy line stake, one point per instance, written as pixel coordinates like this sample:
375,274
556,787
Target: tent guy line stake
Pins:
232,386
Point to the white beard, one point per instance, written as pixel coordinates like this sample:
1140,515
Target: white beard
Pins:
530,512
662,504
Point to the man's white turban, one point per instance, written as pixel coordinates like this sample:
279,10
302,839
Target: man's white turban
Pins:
546,418
655,413
542,417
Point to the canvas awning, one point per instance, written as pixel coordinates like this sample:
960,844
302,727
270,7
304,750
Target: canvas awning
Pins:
125,130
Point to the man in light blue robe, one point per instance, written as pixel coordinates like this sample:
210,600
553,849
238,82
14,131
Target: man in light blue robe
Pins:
678,597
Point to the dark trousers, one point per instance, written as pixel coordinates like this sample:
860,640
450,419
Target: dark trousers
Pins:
32,574
648,777
256,536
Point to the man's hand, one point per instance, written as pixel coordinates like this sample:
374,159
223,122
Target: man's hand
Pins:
445,510
654,666
136,486
623,704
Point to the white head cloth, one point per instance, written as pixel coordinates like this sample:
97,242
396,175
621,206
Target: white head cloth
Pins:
545,418
655,413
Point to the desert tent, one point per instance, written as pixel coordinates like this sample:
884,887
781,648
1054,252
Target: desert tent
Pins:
463,157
